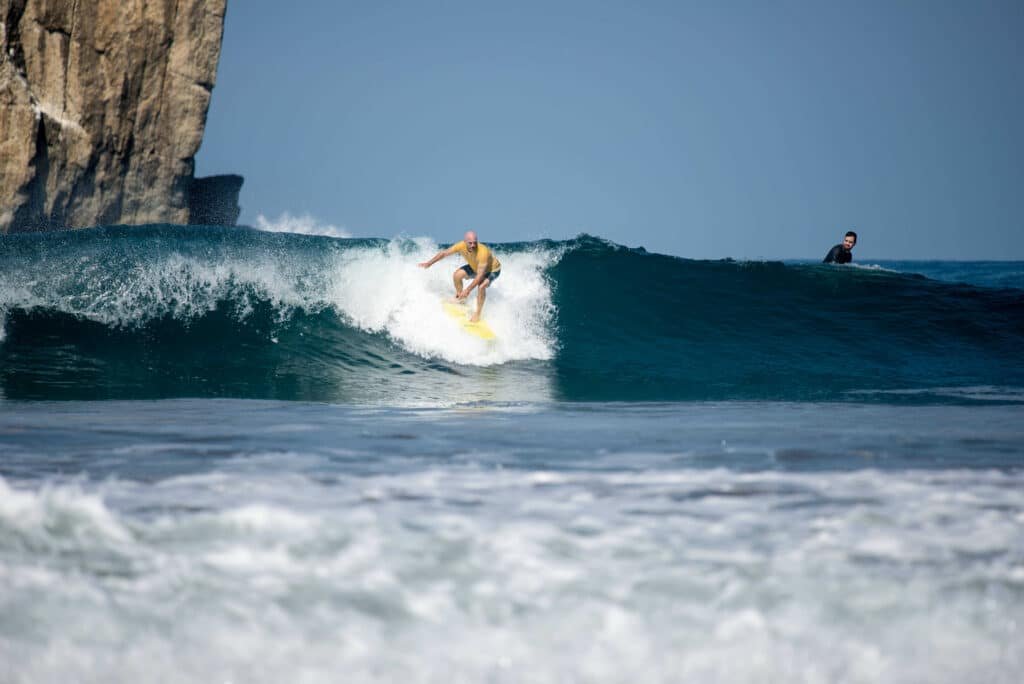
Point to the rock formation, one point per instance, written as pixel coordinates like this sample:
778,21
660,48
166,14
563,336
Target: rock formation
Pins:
102,110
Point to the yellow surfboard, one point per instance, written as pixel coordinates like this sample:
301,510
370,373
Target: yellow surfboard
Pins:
461,314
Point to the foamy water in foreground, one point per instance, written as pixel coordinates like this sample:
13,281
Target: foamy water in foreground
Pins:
206,540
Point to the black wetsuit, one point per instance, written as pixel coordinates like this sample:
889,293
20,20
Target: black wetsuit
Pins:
838,255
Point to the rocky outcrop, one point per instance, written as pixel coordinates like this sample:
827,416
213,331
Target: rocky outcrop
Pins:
102,109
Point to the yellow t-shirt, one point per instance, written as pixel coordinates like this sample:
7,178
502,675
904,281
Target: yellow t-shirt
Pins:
482,256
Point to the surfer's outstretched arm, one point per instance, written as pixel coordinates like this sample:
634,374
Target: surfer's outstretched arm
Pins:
437,257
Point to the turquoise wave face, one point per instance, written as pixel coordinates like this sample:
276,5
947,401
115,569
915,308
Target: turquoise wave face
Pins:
645,326
168,311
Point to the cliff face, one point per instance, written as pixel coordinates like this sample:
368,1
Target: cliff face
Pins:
102,109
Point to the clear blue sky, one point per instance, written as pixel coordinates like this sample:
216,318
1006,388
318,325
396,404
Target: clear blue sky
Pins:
703,129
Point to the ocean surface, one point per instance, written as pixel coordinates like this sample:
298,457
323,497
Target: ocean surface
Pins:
229,455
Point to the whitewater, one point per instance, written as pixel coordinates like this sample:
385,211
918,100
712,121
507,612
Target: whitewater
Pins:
374,286
234,455
224,540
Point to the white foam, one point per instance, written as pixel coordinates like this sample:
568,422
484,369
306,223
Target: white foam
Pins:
269,519
66,511
872,267
302,225
384,290
175,284
673,576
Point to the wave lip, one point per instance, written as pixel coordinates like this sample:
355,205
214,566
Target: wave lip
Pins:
304,224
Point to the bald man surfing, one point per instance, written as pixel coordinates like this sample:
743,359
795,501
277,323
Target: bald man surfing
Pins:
481,265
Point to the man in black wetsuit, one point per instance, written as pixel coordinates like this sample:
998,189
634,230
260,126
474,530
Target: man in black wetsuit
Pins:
842,254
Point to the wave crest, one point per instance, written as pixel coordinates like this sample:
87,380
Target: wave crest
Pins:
304,224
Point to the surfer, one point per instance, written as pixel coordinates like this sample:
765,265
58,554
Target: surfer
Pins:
481,265
842,254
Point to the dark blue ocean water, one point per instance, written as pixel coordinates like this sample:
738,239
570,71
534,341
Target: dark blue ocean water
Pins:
237,456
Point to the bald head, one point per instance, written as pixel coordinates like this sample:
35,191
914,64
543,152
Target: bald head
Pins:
470,238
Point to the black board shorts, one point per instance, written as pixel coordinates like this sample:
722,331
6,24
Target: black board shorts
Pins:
492,276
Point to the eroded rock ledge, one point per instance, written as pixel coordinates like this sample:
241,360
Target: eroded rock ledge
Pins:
102,109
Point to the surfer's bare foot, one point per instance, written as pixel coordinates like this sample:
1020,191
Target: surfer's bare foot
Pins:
475,318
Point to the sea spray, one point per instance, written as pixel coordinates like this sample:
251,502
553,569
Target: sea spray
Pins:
304,224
